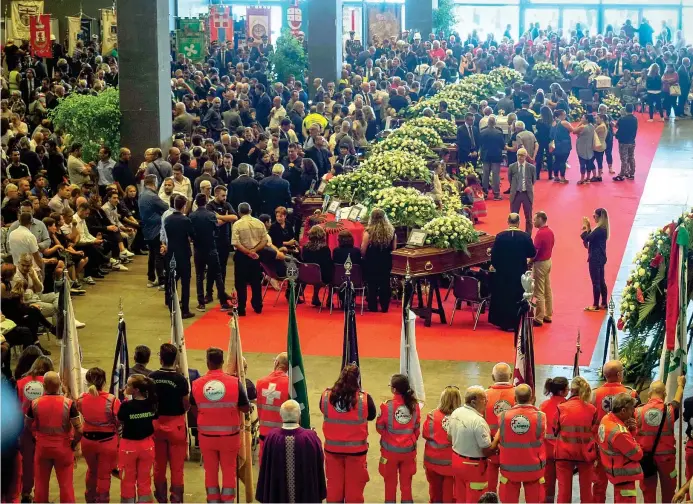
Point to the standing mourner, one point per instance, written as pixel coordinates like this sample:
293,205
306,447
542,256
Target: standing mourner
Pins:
595,243
249,236
626,131
541,266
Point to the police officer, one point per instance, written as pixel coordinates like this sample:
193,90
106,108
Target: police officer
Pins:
220,398
346,412
500,397
272,392
58,431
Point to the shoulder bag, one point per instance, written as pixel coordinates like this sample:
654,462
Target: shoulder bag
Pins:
649,468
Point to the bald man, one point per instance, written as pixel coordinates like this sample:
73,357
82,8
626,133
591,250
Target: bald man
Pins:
272,392
58,430
522,176
500,397
648,418
602,397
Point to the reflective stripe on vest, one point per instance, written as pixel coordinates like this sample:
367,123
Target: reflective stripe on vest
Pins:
63,429
110,399
218,428
437,461
624,471
521,468
431,432
359,410
217,405
531,444
397,449
345,435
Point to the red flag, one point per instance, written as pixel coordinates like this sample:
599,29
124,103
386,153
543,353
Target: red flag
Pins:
220,24
40,35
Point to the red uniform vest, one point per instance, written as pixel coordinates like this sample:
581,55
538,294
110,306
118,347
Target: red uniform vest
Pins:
272,392
345,431
28,389
522,430
500,397
398,427
576,426
438,449
618,467
648,417
604,395
216,396
100,413
550,409
52,417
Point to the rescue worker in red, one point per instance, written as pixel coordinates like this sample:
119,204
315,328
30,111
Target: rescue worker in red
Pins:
521,433
648,418
30,387
438,451
688,422
220,398
399,427
136,451
170,433
346,412
557,389
272,392
500,397
619,452
99,412
575,428
58,430
601,399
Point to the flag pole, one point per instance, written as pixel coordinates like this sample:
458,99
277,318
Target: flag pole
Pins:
578,351
406,302
348,298
292,275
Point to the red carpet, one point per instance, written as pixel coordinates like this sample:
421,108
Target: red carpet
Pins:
379,334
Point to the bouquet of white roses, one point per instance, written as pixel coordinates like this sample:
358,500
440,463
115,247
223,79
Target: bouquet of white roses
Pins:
546,71
613,104
429,136
450,199
405,206
357,185
577,110
445,128
456,108
506,76
403,144
397,165
451,231
464,171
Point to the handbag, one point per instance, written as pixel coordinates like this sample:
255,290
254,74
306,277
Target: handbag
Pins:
596,142
649,468
674,90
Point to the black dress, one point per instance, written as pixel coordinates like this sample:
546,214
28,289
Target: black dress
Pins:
340,254
377,267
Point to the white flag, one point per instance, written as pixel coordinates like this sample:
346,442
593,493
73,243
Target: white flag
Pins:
409,360
70,353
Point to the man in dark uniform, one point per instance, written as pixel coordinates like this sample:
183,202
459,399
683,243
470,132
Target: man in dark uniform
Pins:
226,216
179,232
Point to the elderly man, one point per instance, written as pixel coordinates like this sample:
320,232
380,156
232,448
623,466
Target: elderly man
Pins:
277,113
157,165
275,191
471,445
294,456
182,121
249,236
522,177
492,143
212,120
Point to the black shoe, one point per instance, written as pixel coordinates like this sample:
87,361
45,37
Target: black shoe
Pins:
630,177
187,315
104,271
208,299
618,178
258,310
240,313
200,308
97,274
507,192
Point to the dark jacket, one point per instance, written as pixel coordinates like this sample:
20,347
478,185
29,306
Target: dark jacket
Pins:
340,254
225,177
321,257
274,192
123,174
179,232
245,189
492,142
151,210
321,158
595,243
627,129
204,224
262,110
292,173
528,118
464,142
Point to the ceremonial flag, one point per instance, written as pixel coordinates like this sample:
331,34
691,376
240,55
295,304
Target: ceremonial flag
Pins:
74,29
677,265
40,30
409,364
524,337
576,362
350,346
109,31
611,340
258,24
235,367
178,336
21,12
297,375
70,352
220,23
121,361
190,39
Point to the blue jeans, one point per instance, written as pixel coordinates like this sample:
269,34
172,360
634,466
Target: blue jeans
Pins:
559,161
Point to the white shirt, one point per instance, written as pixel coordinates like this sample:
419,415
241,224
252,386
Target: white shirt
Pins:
22,241
469,432
84,235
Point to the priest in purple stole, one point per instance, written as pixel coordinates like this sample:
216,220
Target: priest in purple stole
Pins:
292,468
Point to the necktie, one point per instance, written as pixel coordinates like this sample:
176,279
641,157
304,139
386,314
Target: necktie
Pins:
471,136
522,177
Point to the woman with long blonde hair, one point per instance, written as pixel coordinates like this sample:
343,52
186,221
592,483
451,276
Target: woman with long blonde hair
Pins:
595,243
575,441
438,451
379,241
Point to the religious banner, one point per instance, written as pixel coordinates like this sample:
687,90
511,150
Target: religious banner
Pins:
85,30
294,16
109,31
220,24
74,28
21,12
384,21
190,40
40,30
258,24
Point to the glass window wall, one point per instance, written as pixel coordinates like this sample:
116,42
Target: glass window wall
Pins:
485,19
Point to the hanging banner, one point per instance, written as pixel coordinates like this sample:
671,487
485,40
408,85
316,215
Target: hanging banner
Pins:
40,30
85,30
21,12
190,39
220,24
258,24
384,20
295,18
74,28
109,31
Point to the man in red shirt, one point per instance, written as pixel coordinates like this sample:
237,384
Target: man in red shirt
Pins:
541,265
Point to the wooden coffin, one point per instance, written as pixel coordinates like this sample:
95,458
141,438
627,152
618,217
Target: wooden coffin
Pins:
425,261
305,206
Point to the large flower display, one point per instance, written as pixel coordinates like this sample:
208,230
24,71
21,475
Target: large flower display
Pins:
451,231
356,186
613,104
445,128
405,206
577,110
547,71
396,165
429,136
404,144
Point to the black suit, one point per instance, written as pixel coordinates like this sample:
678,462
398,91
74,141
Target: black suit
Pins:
467,144
245,189
274,192
321,158
25,88
225,177
262,110
179,232
527,117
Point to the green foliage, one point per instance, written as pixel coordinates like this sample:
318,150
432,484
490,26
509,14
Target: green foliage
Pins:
444,18
90,120
288,58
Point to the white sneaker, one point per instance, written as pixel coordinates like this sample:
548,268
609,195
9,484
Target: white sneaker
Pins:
126,253
112,261
119,267
79,324
89,280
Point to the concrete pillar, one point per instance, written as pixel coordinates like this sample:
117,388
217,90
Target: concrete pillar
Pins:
418,16
145,75
324,38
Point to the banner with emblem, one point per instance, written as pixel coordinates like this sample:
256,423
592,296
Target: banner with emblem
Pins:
294,16
40,30
298,386
220,24
109,31
74,29
21,12
384,20
190,39
258,24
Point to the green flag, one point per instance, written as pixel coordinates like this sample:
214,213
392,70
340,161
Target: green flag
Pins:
297,376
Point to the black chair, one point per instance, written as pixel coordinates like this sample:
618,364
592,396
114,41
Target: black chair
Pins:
468,289
271,274
310,274
356,279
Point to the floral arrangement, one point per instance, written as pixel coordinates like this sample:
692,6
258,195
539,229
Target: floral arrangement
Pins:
613,104
464,171
405,206
398,165
445,128
450,200
451,231
429,136
506,76
586,68
358,185
403,144
546,71
577,109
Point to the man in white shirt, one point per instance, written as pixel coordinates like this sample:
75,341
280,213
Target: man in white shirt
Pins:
104,169
111,210
60,201
181,183
519,63
22,241
277,113
471,445
166,190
